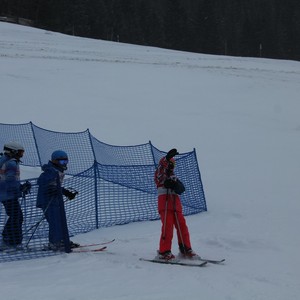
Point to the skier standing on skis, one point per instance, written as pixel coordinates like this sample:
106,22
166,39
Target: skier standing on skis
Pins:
10,191
50,200
169,187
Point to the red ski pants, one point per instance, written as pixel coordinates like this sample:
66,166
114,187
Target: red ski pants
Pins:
170,211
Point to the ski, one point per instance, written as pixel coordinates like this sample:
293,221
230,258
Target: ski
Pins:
10,250
175,262
80,250
212,261
199,258
96,244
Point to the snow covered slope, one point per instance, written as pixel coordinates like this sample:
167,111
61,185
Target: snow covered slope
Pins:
241,115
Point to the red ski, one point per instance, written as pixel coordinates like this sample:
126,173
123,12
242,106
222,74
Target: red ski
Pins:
96,244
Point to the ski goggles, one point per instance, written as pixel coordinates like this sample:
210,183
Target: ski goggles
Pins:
63,162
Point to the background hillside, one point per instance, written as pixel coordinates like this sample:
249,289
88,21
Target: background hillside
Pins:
255,28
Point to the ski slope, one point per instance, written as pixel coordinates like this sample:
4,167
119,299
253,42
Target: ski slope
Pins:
241,115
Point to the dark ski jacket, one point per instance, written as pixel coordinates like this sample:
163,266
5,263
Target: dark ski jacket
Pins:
9,178
50,190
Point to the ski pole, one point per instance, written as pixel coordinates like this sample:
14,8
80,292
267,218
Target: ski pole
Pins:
178,225
165,217
36,225
23,202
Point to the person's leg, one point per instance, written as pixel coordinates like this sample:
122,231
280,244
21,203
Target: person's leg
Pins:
12,231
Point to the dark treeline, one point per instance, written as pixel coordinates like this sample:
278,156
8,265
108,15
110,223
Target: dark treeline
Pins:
257,28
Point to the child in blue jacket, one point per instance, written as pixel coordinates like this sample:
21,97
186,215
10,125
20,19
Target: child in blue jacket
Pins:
50,200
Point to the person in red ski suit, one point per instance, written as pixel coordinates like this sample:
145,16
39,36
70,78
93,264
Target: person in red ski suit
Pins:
170,209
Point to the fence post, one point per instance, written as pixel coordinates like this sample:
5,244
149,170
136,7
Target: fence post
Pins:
96,193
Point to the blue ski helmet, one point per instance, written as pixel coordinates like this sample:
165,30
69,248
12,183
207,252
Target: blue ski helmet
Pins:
59,155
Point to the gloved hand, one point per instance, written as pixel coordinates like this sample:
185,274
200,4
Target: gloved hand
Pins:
171,154
69,194
25,187
169,183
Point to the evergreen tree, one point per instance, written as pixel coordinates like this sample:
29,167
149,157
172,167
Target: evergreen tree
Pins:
267,28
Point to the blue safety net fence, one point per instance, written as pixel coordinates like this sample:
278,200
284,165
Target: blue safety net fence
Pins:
115,184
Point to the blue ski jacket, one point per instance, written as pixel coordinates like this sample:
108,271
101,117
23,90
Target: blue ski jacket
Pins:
10,187
50,200
50,186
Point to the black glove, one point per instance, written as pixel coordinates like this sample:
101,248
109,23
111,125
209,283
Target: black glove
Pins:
69,194
169,183
171,154
25,188
170,168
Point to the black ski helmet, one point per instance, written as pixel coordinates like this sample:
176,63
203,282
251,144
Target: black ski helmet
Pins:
59,155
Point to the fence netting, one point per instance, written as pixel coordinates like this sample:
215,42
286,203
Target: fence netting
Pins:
115,184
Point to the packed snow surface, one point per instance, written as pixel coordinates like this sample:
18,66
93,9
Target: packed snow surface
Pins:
240,114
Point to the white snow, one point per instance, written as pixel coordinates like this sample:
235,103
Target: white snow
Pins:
241,115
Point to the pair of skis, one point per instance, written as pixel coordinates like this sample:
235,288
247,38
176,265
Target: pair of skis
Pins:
97,247
190,262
